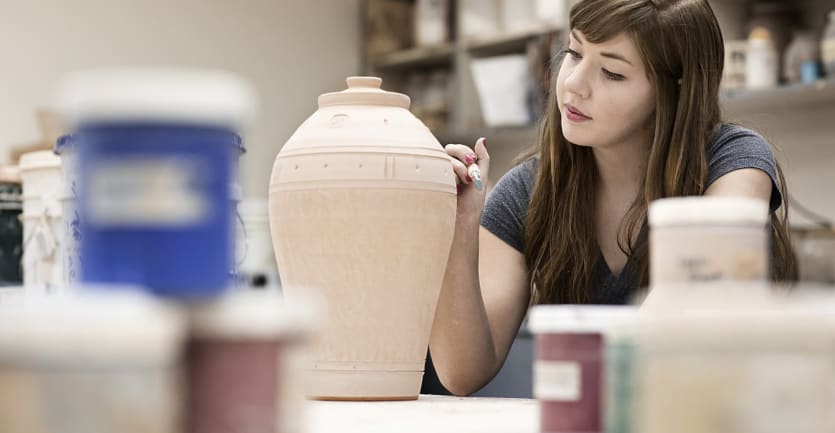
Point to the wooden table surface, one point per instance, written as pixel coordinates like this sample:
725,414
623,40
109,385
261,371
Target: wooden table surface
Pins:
428,414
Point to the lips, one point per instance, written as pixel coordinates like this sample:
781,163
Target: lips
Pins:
575,112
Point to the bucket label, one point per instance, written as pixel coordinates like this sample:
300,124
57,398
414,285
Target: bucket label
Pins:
149,191
557,381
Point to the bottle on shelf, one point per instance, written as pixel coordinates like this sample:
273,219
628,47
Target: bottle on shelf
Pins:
828,46
761,65
801,59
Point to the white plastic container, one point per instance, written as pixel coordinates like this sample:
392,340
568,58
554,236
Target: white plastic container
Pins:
247,363
762,67
65,148
90,365
479,18
551,12
763,370
43,226
828,45
697,239
569,370
255,249
431,22
518,16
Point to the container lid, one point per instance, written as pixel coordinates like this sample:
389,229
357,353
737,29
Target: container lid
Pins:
64,143
707,210
578,318
254,209
68,142
771,328
116,325
156,94
9,173
39,159
364,91
252,315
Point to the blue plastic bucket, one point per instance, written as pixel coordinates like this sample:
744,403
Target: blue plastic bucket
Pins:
156,169
66,148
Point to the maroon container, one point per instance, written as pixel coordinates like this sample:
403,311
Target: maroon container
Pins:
569,365
243,368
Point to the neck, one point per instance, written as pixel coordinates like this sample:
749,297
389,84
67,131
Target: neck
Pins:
621,168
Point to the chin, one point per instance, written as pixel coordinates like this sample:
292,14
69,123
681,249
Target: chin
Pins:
580,138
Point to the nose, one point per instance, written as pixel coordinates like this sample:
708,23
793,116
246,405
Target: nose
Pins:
577,80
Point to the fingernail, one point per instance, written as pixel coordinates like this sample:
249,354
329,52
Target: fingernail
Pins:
484,142
469,179
470,159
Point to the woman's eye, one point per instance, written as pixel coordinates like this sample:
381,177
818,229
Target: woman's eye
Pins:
613,76
573,54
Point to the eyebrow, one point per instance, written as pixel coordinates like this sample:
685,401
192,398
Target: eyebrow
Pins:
615,56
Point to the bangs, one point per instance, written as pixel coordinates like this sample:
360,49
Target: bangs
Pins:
602,20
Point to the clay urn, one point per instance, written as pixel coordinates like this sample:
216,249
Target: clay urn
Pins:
362,212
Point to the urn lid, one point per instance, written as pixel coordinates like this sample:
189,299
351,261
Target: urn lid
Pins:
364,91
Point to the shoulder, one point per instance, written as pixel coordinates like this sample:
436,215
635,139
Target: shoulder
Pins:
735,147
506,207
740,141
520,178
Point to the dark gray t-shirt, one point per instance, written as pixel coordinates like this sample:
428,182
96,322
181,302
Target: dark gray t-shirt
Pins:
733,148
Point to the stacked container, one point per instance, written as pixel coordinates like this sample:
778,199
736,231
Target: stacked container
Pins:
43,227
152,189
157,154
11,230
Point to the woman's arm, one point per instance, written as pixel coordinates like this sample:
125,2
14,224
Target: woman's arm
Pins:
484,295
745,182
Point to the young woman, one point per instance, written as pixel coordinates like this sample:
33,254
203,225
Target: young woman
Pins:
633,116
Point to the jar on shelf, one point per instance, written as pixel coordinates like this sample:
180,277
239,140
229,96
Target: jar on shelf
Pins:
778,17
828,46
733,77
761,62
801,60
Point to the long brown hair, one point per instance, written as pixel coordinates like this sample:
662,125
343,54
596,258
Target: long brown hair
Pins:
682,49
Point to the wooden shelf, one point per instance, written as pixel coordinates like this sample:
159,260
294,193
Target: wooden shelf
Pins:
507,43
780,99
435,55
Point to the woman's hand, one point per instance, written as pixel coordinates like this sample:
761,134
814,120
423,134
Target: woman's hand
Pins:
470,198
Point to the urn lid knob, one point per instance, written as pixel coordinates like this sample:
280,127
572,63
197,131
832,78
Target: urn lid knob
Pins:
365,91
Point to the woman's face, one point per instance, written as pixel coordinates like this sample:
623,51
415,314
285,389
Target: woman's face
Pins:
603,92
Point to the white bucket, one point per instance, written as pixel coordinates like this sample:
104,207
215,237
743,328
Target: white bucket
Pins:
43,227
255,254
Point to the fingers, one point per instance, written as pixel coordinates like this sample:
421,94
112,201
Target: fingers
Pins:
462,157
480,149
462,153
460,170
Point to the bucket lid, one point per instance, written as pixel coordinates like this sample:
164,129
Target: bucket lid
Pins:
9,173
701,210
156,94
39,159
252,315
254,209
68,141
578,318
364,91
64,143
108,326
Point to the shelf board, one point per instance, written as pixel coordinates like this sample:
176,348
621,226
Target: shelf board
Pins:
783,98
506,43
433,55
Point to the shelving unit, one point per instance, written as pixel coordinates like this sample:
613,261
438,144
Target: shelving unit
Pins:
780,99
465,122
419,57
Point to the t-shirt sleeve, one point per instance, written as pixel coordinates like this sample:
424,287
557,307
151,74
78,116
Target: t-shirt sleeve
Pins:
734,148
506,206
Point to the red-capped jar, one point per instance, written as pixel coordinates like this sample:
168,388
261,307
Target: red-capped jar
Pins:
569,364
